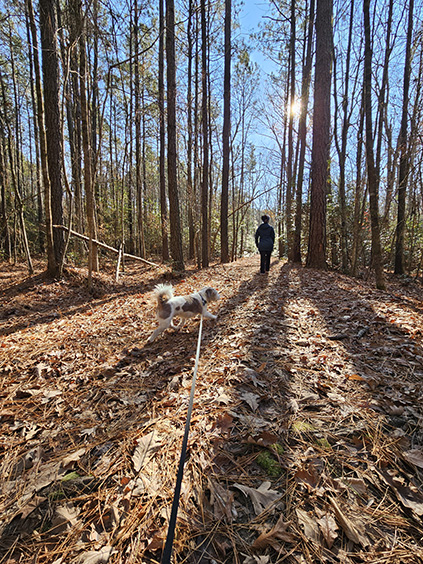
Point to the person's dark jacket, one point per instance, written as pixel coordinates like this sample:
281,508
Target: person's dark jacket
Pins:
265,237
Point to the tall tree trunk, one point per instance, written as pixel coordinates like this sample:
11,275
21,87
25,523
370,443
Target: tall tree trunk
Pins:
404,156
138,148
316,256
41,233
175,221
52,268
302,134
50,65
190,186
162,137
383,88
358,196
197,141
205,129
144,150
94,85
383,122
75,135
342,148
290,162
4,224
224,204
86,145
130,244
371,169
74,121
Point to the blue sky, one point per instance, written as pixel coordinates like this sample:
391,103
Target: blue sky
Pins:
251,14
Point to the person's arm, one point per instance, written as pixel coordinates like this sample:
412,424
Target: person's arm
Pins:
257,236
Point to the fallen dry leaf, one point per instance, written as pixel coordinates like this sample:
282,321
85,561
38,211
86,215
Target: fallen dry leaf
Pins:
100,556
251,399
355,530
262,559
329,529
73,457
274,536
65,517
147,446
408,496
414,456
262,497
310,524
221,500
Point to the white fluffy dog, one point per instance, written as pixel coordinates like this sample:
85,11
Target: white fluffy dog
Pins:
169,307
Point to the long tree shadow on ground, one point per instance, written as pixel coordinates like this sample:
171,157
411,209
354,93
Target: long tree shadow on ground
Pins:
356,379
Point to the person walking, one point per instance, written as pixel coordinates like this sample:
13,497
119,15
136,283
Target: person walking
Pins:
265,239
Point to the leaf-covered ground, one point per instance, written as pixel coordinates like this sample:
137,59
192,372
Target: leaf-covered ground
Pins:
306,443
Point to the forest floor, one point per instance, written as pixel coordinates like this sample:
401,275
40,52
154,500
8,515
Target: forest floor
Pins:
306,440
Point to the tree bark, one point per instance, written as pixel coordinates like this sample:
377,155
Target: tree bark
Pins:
342,148
52,268
138,148
41,233
4,224
50,66
316,256
302,134
290,180
162,137
358,196
190,184
86,145
175,221
371,169
205,130
224,203
404,156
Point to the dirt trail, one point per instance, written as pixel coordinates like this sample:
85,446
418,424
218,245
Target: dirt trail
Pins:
306,442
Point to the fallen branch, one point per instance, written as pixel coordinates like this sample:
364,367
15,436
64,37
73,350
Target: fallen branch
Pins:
104,246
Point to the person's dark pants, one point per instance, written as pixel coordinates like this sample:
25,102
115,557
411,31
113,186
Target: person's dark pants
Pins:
265,261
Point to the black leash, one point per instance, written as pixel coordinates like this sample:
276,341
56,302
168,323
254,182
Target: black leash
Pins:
167,552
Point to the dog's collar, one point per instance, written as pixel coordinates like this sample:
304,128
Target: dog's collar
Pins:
203,300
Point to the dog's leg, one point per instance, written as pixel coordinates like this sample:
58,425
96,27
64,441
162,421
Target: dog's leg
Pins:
208,315
164,324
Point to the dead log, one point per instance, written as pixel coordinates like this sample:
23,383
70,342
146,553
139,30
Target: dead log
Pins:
107,247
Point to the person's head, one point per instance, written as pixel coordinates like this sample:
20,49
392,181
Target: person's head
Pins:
265,218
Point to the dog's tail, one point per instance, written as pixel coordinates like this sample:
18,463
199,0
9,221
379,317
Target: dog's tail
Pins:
163,293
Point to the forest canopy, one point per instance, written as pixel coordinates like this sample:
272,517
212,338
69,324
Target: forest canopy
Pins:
168,128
